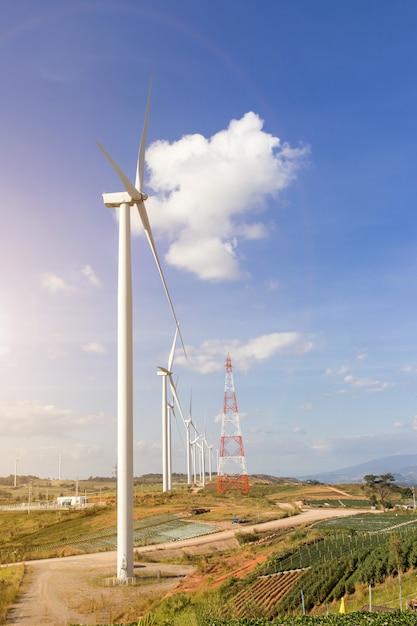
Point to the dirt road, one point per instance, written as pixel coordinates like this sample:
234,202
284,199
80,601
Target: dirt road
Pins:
73,589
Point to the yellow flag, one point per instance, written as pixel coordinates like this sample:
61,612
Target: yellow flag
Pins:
342,606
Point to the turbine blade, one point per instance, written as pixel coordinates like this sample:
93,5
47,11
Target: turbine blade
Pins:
137,197
147,227
140,168
130,188
171,355
176,422
177,401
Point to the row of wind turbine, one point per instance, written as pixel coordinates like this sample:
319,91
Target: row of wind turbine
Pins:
198,442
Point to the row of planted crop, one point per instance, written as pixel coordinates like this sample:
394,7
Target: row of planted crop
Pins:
334,547
396,618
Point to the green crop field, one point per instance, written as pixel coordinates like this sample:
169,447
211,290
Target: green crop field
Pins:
354,619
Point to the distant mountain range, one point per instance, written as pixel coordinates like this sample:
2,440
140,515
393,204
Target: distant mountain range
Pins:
402,466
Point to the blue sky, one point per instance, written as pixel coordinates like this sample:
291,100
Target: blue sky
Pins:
282,194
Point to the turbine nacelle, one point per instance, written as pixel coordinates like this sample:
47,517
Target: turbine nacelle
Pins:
114,200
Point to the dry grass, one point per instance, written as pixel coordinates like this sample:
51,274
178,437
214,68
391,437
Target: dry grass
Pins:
10,580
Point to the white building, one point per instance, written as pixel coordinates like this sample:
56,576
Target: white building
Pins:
68,501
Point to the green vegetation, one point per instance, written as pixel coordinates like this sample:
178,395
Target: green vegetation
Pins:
335,564
326,566
395,618
319,563
380,489
354,619
27,533
352,503
10,580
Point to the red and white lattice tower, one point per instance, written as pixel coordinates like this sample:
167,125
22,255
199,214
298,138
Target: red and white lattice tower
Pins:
232,463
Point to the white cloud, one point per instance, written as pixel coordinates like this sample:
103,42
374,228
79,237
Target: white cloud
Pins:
380,387
206,192
366,383
298,430
84,451
94,347
307,406
26,419
218,418
54,284
320,446
272,284
56,352
211,258
90,274
362,356
210,355
146,448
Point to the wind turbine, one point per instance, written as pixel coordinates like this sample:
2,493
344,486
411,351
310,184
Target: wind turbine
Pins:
187,424
166,422
132,196
195,443
166,443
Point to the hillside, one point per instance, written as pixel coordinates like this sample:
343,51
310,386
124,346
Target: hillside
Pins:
27,533
402,466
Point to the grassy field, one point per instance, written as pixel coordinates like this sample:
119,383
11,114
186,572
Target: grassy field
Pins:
26,529
53,531
10,581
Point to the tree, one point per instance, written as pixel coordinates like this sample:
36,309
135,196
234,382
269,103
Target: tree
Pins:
380,487
397,558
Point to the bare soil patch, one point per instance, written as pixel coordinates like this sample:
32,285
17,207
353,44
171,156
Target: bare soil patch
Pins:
79,590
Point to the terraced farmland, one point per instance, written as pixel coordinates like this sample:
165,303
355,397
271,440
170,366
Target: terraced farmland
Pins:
266,591
369,522
352,551
156,529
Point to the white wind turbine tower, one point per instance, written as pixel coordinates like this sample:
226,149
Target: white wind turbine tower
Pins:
203,461
187,424
171,411
194,460
196,456
166,421
210,459
166,430
124,201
